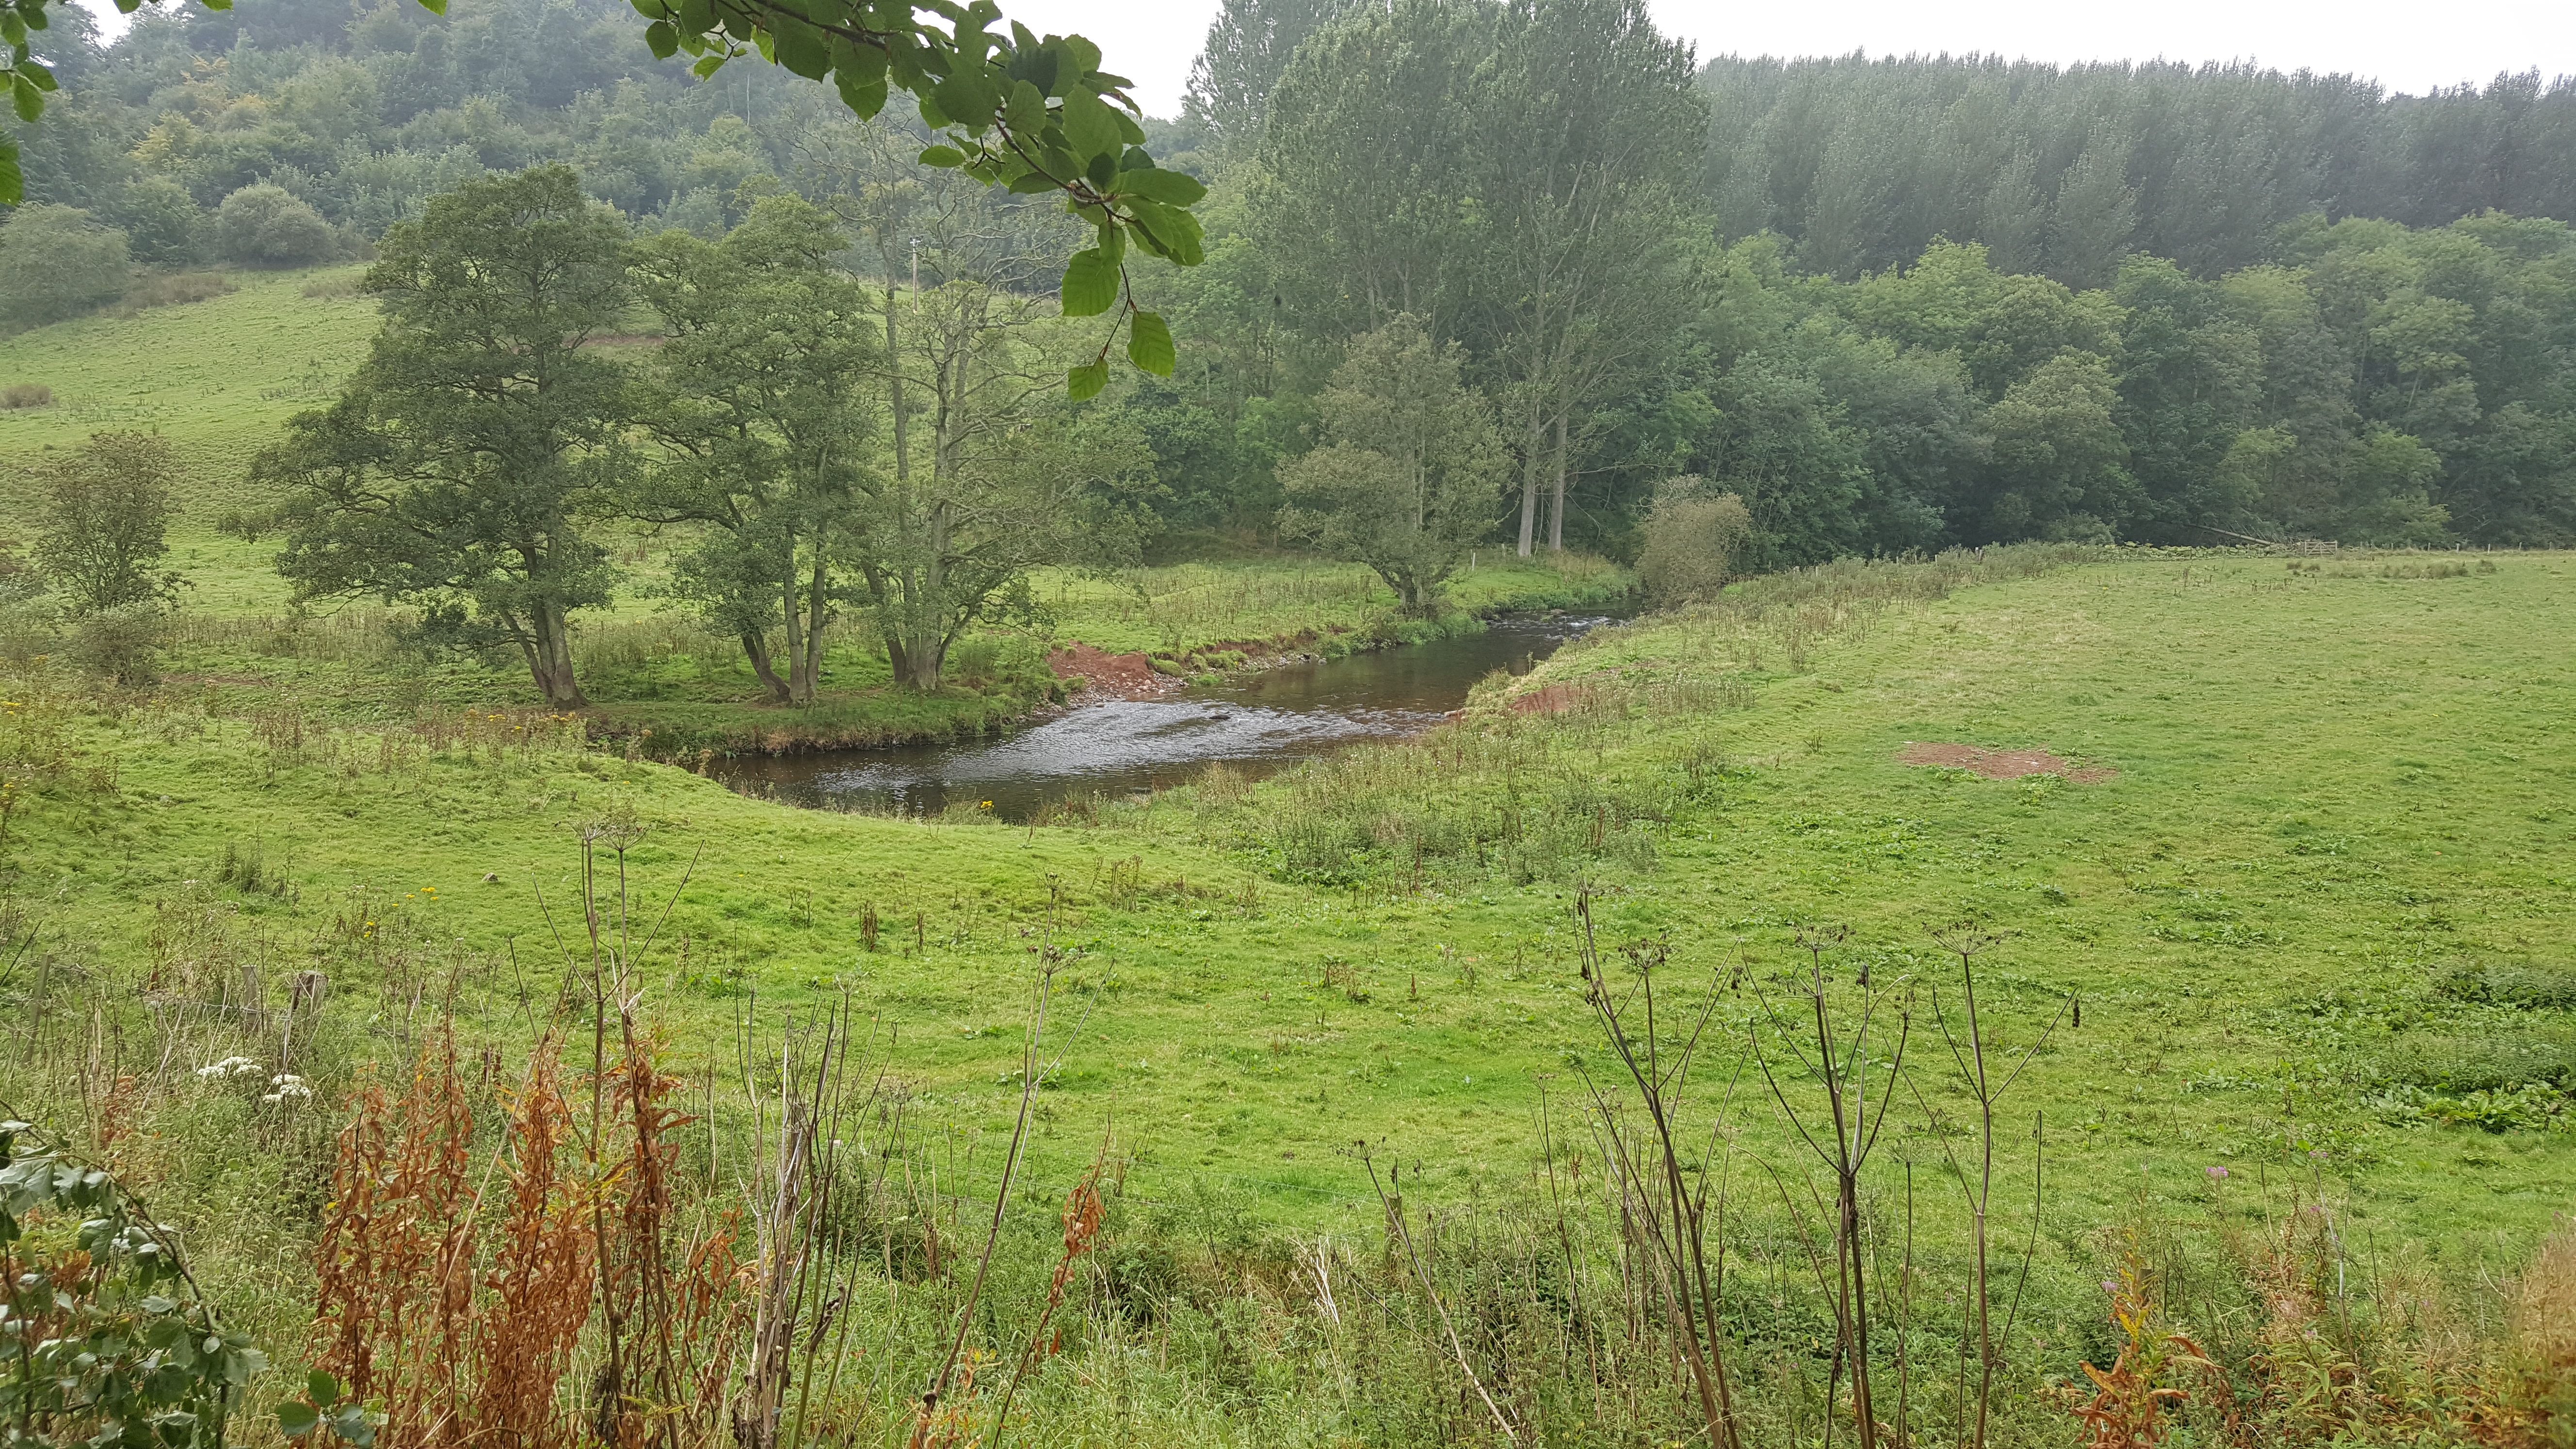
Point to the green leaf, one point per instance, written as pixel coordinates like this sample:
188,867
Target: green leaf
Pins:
1149,344
800,48
434,7
708,65
942,156
1026,108
1085,382
1030,183
296,1419
322,1388
1089,127
28,101
964,98
1090,283
1177,188
1168,232
662,39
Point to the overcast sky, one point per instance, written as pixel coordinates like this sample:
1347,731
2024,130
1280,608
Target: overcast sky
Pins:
2409,48
2413,47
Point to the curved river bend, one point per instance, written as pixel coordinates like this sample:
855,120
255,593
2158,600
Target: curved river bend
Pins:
1259,722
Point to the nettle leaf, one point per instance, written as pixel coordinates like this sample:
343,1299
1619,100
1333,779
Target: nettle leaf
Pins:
1085,382
1090,283
1149,344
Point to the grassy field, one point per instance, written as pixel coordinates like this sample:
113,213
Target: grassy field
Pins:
2302,858
2337,798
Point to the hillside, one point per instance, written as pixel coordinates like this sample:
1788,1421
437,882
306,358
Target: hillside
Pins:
217,377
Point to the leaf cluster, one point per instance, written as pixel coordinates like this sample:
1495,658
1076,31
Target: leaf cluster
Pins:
105,1343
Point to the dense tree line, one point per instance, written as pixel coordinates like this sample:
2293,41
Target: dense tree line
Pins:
1883,305
1864,163
2220,302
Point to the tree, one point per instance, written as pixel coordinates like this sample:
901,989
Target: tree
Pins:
266,226
55,263
457,465
763,399
2060,461
101,534
1410,469
1589,128
1248,48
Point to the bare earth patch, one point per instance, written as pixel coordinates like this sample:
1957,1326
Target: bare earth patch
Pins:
1111,676
2001,764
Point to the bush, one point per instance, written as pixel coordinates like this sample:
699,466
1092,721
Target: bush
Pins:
26,395
123,644
265,226
59,263
1692,539
172,289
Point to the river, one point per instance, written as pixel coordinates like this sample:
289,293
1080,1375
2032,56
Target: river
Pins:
1259,721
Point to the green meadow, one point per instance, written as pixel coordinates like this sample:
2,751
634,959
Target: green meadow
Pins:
2337,818
2280,924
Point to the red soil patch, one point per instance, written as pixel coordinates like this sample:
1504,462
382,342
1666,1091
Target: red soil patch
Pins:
1111,676
2002,764
1552,699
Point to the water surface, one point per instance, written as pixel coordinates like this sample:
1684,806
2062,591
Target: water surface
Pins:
1258,722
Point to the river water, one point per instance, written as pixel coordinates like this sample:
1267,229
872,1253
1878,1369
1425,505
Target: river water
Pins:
1259,722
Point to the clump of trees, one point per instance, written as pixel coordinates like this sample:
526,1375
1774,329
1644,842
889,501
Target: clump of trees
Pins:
816,443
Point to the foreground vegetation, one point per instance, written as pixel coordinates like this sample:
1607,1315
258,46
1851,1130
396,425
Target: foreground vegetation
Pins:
2304,1102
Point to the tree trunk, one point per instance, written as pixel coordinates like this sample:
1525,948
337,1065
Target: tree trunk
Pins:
1556,510
551,661
924,660
1529,492
755,646
805,671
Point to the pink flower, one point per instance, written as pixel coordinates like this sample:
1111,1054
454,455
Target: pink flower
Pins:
2216,1173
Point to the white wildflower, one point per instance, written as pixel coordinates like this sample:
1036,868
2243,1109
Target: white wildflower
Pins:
287,1087
230,1067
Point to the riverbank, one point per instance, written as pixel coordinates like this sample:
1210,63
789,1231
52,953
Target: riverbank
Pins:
663,687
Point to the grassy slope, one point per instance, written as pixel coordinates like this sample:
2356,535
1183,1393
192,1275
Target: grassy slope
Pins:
216,377
2330,787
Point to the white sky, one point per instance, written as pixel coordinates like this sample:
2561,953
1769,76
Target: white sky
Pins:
2406,47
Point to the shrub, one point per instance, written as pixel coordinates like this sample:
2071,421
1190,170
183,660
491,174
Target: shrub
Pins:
26,395
121,645
1692,539
59,263
172,289
266,226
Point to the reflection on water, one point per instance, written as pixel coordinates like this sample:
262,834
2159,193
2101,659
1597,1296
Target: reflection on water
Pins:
1259,723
